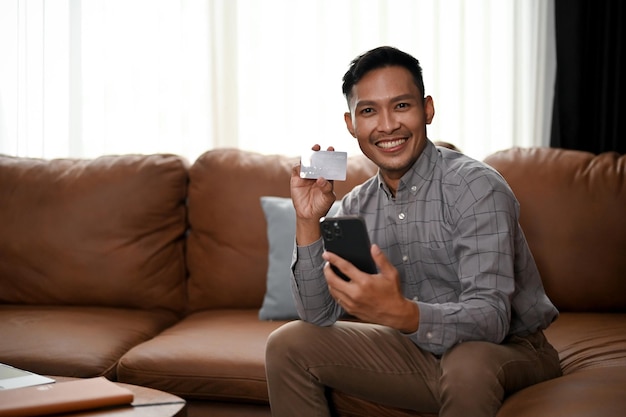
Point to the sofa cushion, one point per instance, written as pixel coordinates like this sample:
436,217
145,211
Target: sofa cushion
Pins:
278,303
93,232
589,340
227,249
74,341
591,393
573,212
217,355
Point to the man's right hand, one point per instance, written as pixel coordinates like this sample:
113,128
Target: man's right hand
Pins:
312,198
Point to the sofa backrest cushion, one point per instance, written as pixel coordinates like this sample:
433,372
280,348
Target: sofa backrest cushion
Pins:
103,232
573,212
227,248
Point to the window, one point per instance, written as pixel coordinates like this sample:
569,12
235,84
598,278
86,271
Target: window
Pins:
86,78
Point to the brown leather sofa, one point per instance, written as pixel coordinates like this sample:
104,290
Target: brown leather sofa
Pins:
151,270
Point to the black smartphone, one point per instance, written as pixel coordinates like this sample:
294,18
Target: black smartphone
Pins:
347,237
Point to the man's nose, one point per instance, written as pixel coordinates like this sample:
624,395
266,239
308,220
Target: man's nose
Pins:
387,121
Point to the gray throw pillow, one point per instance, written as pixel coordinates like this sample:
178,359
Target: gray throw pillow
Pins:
280,215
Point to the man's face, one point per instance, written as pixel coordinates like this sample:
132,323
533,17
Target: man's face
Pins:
388,117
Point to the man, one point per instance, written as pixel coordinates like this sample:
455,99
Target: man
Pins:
452,322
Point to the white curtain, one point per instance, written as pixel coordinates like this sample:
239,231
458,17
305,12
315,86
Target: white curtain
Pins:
93,77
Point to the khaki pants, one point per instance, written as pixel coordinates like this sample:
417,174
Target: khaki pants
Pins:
381,365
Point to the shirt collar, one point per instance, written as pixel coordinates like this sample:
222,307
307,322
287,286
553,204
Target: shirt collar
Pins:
418,174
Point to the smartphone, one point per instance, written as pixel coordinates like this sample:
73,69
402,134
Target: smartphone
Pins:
347,237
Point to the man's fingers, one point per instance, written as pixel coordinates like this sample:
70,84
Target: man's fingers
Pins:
295,170
343,265
381,260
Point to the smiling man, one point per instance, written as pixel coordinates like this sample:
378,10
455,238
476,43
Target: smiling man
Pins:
452,322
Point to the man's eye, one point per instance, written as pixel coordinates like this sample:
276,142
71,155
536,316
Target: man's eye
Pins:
403,105
367,110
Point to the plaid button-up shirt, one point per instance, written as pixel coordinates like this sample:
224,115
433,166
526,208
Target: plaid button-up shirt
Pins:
452,231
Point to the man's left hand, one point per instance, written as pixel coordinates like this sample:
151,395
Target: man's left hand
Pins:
373,298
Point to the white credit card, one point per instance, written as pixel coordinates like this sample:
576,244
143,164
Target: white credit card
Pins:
330,165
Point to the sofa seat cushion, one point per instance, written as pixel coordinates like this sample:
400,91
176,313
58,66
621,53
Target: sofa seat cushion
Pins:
592,349
589,340
588,393
213,354
74,341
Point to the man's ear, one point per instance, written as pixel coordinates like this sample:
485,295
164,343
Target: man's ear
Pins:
429,109
347,117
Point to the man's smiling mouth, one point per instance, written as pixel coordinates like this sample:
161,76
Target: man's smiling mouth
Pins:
388,144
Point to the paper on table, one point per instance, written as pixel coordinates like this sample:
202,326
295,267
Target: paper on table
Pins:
11,377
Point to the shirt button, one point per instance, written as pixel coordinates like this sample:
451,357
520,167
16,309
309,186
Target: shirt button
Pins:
415,299
429,335
401,216
414,188
405,259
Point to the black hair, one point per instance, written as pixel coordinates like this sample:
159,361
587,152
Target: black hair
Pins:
381,57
